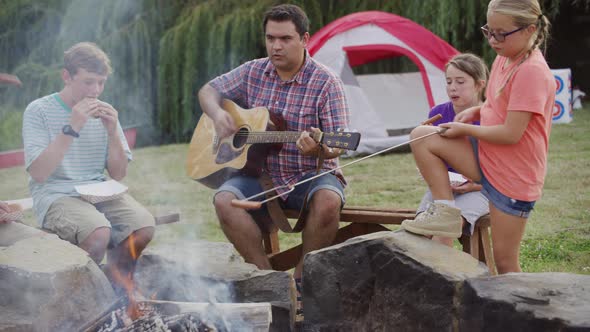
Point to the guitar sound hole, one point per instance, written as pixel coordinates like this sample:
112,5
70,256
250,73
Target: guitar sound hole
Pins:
240,138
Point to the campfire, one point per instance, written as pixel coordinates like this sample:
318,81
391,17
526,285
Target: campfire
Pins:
129,314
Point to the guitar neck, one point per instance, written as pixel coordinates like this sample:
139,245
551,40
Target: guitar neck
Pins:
277,137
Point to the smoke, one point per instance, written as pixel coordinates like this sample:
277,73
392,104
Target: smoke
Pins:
200,272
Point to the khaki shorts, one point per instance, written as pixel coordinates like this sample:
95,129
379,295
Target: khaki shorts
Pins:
74,219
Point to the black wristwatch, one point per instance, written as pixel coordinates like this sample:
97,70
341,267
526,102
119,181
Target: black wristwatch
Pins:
68,130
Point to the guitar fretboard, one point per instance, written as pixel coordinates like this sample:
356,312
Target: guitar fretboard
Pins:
276,137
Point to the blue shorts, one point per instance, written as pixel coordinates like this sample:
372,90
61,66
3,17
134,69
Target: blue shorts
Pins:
246,186
502,202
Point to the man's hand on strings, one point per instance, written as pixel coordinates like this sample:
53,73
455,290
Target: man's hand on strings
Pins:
224,124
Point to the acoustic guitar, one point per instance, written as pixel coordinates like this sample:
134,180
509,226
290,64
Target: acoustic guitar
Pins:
212,161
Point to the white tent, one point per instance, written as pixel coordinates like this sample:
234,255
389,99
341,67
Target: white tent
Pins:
384,103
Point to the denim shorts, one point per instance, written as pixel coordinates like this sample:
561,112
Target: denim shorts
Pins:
502,202
246,186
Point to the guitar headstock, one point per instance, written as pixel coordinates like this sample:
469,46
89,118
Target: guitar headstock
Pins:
341,139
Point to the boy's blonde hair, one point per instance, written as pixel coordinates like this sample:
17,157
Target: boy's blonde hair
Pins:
524,13
88,56
474,67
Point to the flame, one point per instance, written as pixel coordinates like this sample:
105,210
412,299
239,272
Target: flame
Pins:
128,284
132,249
126,281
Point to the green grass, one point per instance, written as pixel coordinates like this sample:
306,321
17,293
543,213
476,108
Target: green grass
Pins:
557,237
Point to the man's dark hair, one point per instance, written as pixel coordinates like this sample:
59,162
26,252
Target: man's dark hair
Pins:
282,13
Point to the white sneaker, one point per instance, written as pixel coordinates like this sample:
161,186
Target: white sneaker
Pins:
438,219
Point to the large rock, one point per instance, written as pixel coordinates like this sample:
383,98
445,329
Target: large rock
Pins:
49,285
212,272
386,281
527,302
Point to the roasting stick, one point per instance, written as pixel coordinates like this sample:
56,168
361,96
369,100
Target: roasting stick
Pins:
248,204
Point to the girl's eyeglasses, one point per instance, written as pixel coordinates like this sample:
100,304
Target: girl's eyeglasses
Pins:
499,36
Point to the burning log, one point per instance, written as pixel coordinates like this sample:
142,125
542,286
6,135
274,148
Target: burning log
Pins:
186,316
94,324
156,323
251,316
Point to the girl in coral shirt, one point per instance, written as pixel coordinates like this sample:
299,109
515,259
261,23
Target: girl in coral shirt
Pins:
507,154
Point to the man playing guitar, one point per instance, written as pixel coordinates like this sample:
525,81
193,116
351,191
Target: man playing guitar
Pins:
308,97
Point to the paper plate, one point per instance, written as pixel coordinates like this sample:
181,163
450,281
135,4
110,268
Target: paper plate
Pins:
102,191
456,179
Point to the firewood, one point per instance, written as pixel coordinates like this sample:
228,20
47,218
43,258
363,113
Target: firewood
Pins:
255,316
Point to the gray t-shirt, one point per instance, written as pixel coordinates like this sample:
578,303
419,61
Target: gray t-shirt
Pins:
84,162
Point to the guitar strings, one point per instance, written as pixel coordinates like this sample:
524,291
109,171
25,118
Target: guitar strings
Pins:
262,134
437,132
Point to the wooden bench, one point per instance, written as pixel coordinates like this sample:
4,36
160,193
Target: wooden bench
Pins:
479,244
365,220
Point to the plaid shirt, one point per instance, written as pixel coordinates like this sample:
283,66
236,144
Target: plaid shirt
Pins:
314,97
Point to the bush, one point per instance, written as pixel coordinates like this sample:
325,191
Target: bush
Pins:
11,121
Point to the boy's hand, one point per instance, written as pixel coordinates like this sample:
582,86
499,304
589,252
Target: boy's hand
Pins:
109,116
82,111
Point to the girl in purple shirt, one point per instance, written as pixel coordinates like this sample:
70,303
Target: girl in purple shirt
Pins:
466,76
